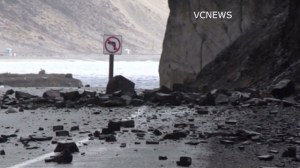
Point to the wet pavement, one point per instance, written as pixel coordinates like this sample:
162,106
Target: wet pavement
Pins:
96,153
257,133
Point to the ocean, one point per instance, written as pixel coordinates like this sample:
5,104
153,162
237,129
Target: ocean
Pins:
93,73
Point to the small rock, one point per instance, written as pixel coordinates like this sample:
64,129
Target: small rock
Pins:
152,142
74,128
226,142
111,138
2,152
9,92
290,152
175,135
231,122
97,134
62,133
52,94
70,146
208,100
72,96
11,110
265,157
114,125
202,111
123,145
128,124
162,158
3,139
157,132
137,102
58,128
184,161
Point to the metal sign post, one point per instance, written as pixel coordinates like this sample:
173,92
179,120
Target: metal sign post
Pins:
112,46
111,66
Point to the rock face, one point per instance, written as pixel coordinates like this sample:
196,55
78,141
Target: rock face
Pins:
192,43
260,57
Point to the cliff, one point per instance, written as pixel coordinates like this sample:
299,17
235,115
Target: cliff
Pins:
192,43
261,57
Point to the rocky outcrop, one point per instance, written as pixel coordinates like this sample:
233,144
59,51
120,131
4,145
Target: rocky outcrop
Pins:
192,43
261,57
36,80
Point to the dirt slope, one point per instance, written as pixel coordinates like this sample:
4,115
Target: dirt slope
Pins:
44,27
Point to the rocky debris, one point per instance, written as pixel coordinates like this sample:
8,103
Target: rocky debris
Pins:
127,123
52,95
283,89
114,126
120,83
123,145
189,125
290,152
97,134
184,161
64,157
69,146
110,138
39,138
62,133
157,132
201,111
222,99
74,128
74,99
72,96
2,152
3,139
265,157
24,96
137,102
152,142
175,135
58,128
207,100
9,92
167,98
114,102
162,158
11,110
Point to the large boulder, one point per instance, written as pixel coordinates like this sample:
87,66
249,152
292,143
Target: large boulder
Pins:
69,146
283,89
73,95
52,94
120,83
192,43
25,96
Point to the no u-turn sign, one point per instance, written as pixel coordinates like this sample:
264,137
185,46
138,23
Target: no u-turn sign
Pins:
112,44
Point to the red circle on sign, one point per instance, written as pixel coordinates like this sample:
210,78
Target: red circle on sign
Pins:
109,40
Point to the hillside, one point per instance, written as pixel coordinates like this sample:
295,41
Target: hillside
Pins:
63,27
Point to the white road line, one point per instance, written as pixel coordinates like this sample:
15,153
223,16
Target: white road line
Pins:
79,143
